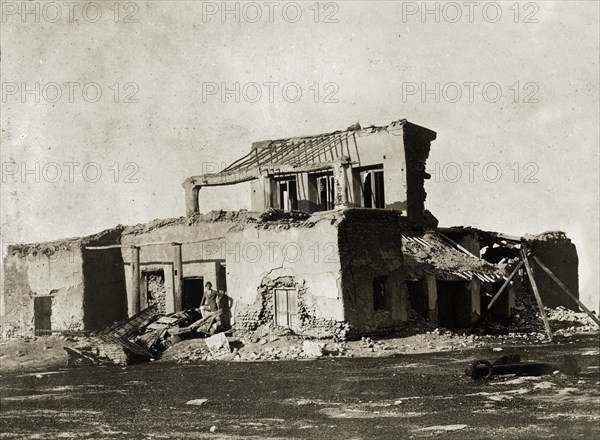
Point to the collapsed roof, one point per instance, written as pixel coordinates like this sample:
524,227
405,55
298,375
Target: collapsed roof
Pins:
433,253
299,154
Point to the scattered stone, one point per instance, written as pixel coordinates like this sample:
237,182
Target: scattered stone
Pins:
444,428
218,344
543,386
197,402
313,349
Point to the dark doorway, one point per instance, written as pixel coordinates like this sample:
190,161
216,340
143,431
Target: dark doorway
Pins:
193,291
42,311
418,297
221,277
500,311
453,301
381,298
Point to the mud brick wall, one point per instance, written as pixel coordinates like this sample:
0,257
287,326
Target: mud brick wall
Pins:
85,287
50,271
558,253
370,247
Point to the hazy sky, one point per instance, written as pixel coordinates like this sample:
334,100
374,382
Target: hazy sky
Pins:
515,94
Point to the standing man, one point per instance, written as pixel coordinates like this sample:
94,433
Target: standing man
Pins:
209,301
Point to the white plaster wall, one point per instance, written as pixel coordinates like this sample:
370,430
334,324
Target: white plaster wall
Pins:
59,275
307,254
207,270
388,149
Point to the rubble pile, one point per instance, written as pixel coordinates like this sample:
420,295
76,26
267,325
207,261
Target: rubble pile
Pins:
565,322
263,350
375,345
97,351
186,337
273,214
145,336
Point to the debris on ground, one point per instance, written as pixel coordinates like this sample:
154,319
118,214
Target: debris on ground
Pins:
145,336
218,344
511,364
183,336
196,402
444,428
313,349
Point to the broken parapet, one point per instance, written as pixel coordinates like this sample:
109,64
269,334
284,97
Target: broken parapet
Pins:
558,253
61,286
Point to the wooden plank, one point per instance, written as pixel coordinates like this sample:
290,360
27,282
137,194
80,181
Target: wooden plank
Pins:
567,291
504,286
177,278
134,297
536,293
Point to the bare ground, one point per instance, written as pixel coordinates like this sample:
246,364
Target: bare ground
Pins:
405,395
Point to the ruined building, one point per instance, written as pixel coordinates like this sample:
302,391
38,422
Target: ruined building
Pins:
337,240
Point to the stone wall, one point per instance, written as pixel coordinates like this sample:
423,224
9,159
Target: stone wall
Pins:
558,253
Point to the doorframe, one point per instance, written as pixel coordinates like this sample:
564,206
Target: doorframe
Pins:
287,302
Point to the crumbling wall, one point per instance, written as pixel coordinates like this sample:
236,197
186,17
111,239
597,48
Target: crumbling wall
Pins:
370,252
86,288
52,269
384,147
202,239
558,253
156,292
301,256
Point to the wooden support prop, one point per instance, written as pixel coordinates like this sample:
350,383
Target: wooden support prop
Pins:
134,297
536,293
567,291
497,295
504,286
177,278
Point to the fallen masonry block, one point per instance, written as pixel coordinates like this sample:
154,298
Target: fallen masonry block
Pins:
218,344
313,349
